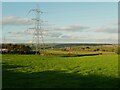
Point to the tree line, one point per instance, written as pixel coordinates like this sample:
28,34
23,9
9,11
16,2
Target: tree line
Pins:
16,49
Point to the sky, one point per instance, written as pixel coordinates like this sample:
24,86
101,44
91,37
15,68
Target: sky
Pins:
67,22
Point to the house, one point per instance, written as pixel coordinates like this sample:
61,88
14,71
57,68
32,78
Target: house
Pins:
3,50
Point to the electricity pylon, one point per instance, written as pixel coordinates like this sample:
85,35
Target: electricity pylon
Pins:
37,29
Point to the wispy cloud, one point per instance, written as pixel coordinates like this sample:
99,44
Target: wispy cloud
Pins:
111,28
72,28
18,32
46,34
74,33
13,20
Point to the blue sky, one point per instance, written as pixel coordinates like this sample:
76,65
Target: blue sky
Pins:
78,22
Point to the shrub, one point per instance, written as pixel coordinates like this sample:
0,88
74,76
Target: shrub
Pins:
97,49
117,50
87,47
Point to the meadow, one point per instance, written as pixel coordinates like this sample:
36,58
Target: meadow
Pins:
50,71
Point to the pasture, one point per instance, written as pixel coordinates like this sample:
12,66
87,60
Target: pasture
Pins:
46,71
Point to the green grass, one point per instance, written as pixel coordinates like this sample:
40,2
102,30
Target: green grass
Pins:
53,71
59,52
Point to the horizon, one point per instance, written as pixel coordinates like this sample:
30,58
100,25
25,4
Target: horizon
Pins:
62,43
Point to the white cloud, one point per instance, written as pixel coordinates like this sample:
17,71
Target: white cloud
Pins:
71,36
24,32
72,28
19,32
15,39
13,20
67,38
76,33
45,33
111,28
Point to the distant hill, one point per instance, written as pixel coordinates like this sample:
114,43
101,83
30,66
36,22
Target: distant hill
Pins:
76,44
60,45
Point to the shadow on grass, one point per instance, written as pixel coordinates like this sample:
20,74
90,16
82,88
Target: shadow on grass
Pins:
79,55
7,66
54,79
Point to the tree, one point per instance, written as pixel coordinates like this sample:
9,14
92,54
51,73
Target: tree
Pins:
17,49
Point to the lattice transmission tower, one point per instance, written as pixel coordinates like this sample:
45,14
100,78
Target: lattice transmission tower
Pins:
37,29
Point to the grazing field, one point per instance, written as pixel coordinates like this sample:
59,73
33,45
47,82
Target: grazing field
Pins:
43,71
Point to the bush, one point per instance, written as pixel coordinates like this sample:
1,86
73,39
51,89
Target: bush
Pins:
87,47
117,50
97,49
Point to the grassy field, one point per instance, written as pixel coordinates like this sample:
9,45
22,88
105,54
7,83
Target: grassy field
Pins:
43,71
